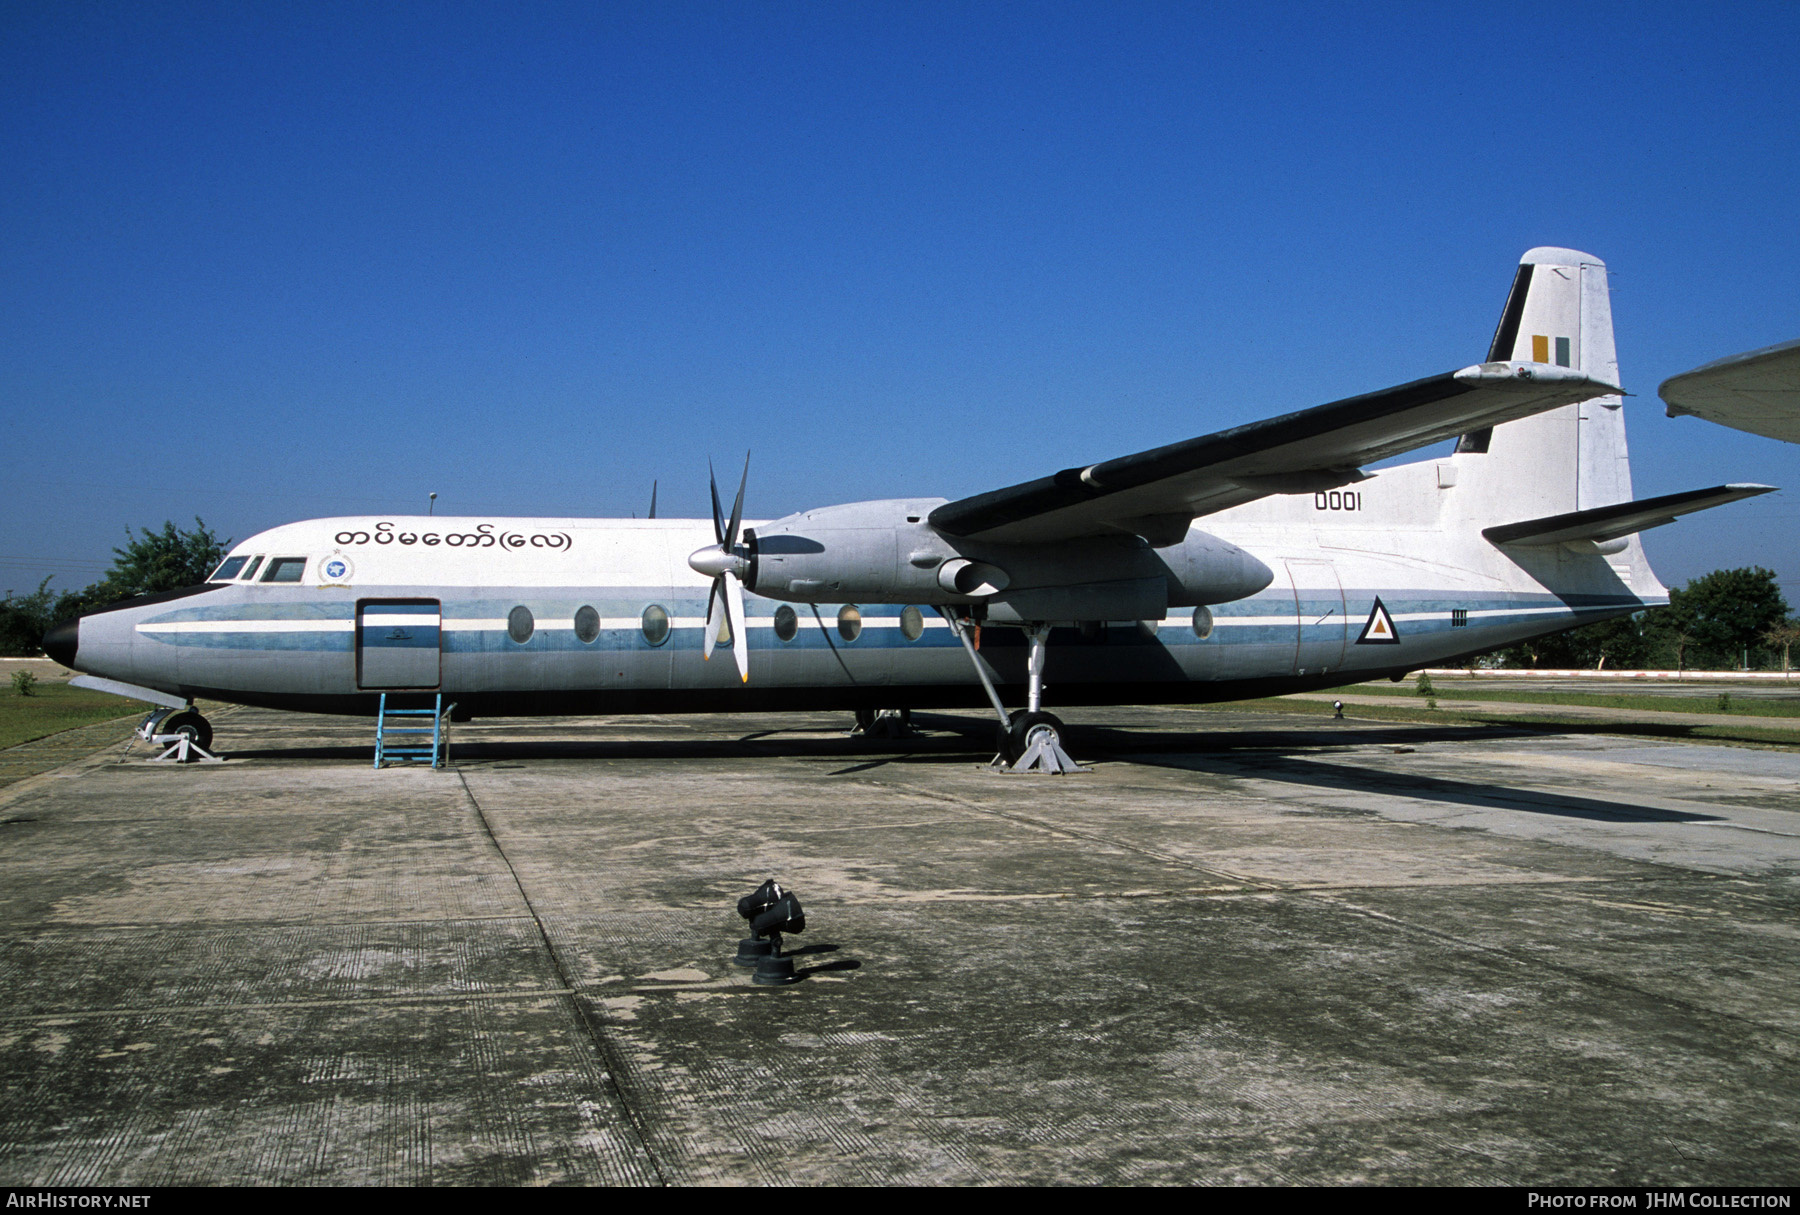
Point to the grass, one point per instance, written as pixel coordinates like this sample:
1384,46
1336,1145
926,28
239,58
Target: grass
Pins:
1417,713
54,707
1700,702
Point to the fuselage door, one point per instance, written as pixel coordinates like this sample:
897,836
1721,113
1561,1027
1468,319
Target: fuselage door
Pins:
1319,612
397,643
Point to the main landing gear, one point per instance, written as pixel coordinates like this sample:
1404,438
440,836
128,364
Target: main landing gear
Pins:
883,723
1029,740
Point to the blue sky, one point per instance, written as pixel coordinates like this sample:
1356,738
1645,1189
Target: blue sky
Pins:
266,262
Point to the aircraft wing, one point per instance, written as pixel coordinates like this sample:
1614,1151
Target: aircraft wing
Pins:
1622,519
1158,493
1758,391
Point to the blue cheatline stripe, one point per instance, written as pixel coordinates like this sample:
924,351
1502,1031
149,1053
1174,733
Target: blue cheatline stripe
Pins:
1267,619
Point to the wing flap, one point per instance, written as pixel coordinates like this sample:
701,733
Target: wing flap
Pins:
1612,522
1313,449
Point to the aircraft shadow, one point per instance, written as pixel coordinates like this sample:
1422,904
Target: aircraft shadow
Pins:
963,740
1347,778
1168,749
940,739
1125,743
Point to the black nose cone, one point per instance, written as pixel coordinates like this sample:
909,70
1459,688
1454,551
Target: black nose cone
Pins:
61,641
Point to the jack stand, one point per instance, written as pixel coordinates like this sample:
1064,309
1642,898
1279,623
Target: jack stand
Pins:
182,749
1043,751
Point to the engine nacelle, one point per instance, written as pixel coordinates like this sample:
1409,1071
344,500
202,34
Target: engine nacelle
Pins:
885,552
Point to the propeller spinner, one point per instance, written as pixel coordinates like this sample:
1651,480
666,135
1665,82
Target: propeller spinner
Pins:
727,567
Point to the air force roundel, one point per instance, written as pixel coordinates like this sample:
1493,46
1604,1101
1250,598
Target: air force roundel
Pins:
1379,630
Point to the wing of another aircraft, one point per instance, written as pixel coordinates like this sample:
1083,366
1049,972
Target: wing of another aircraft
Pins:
1158,493
1758,391
1602,523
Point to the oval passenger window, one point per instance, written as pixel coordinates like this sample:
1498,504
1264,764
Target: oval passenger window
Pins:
849,622
520,625
1203,623
656,624
587,625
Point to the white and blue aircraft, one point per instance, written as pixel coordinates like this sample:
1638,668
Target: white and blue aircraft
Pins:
1254,561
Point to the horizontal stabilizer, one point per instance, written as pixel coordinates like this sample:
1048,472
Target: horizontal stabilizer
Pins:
1758,391
1314,449
1612,522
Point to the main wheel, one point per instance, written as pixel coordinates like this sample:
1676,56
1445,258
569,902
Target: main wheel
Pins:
190,723
1021,731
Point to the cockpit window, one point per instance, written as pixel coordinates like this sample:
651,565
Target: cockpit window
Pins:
229,570
251,572
285,569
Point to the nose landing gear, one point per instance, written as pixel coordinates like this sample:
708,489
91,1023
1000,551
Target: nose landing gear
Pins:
185,732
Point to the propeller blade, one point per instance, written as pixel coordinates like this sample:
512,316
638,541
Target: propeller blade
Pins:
714,612
740,640
737,508
652,514
718,515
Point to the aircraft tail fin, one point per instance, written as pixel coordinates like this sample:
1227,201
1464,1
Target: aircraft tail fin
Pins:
1573,458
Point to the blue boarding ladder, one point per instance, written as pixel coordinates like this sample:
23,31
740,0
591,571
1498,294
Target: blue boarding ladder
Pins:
402,737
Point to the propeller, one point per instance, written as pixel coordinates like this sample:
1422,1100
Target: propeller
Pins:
727,567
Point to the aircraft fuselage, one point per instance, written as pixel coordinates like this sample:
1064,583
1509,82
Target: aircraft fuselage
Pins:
510,616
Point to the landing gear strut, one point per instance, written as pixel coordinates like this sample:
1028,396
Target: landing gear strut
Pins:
1031,740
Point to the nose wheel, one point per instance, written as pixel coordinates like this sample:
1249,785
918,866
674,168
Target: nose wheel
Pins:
196,728
184,735
186,722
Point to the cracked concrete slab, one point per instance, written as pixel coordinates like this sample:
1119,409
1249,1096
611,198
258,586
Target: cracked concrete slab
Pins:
1244,948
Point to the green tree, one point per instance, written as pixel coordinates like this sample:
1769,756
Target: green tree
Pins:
151,561
1714,619
1782,637
1708,624
24,619
1610,644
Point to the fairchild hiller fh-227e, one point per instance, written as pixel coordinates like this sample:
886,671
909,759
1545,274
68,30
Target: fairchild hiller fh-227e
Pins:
1253,561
